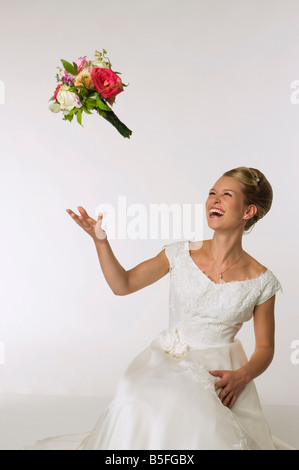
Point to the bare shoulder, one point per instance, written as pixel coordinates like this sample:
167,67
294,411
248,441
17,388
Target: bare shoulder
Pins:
255,268
196,245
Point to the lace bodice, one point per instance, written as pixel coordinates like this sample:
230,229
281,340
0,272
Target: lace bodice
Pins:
205,312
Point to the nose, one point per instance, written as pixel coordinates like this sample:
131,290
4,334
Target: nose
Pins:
216,198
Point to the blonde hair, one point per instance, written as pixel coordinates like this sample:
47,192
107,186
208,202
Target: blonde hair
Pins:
256,189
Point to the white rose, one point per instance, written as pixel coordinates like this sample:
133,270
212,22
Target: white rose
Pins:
102,64
66,99
54,107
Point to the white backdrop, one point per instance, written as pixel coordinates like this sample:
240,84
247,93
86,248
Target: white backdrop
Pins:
209,90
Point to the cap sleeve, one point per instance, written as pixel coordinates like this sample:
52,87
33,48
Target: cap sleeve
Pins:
270,286
170,251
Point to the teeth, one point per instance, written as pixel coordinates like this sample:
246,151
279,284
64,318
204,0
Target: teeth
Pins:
216,211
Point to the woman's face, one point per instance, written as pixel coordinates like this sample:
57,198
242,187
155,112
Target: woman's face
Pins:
225,206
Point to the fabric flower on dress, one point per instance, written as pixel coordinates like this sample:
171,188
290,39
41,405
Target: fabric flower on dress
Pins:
171,344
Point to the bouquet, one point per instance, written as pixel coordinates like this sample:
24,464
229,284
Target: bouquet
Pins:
86,86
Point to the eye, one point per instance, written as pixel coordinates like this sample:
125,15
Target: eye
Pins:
210,193
228,194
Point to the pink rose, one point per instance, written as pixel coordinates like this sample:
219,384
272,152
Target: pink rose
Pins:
107,83
81,62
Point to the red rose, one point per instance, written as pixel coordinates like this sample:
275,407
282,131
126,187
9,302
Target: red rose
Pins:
56,92
107,83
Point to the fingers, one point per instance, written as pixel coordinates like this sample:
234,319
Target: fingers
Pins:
89,225
99,231
100,218
220,384
232,402
224,377
229,388
224,393
217,373
74,216
229,400
85,216
83,221
227,396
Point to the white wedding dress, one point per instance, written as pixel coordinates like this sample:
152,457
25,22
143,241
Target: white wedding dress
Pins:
166,399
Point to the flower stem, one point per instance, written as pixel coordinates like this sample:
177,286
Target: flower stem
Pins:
120,126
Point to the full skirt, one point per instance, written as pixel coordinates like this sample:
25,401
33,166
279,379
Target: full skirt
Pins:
164,402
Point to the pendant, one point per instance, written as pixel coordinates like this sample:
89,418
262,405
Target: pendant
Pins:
221,276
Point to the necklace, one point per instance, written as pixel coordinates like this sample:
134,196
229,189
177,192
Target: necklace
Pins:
221,272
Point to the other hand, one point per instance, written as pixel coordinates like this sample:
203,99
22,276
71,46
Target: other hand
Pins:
231,382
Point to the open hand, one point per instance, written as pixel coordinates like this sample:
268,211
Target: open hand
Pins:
91,226
231,382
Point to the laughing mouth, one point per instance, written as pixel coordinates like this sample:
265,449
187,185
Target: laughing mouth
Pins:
216,213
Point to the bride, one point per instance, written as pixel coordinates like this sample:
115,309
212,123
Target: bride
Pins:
193,386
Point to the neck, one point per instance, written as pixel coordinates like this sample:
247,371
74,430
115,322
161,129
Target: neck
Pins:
226,247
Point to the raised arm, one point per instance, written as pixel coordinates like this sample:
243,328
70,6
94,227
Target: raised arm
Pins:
121,281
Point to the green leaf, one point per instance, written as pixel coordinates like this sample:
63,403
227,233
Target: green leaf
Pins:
75,67
68,117
86,109
79,116
72,111
84,92
68,67
102,105
90,103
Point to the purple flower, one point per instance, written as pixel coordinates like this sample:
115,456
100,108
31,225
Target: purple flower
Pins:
78,103
68,78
